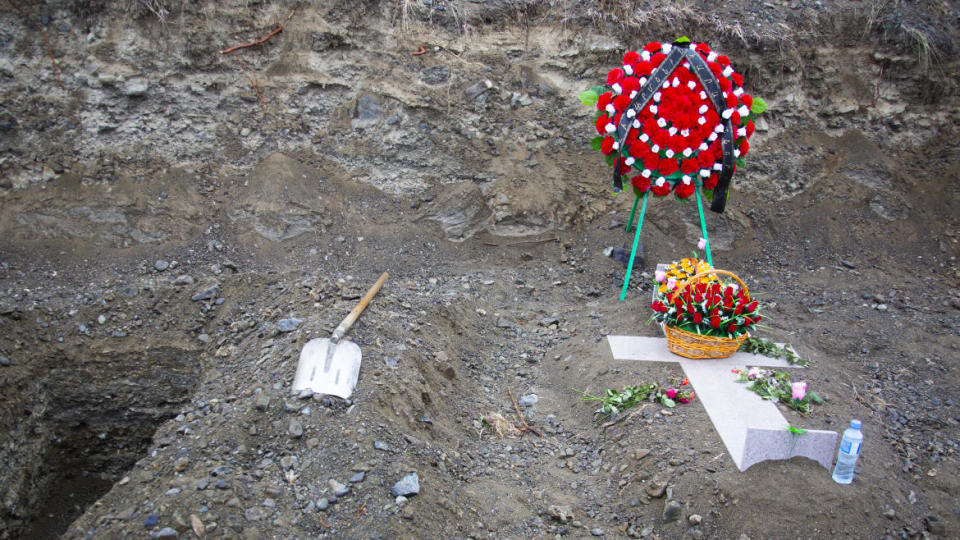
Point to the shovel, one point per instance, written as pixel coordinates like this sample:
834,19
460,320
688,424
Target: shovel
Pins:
329,366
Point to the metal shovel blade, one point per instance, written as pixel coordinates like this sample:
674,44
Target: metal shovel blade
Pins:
340,379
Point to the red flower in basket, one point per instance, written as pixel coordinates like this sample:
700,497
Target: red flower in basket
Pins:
716,310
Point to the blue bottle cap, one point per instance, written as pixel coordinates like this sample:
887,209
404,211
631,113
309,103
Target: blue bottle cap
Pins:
855,424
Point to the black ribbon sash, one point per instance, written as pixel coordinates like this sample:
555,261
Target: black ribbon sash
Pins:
679,52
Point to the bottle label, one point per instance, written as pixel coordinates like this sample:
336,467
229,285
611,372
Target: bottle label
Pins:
850,447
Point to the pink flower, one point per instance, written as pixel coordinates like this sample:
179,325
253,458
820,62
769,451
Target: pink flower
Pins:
753,373
671,393
660,275
799,390
702,244
671,283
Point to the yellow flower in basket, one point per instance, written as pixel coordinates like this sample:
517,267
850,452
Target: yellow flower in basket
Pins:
684,268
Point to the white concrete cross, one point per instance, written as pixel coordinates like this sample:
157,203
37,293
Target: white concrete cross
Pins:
752,428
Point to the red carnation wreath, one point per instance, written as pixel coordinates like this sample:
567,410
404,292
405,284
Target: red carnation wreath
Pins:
674,143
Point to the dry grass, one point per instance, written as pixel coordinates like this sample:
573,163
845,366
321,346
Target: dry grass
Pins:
501,426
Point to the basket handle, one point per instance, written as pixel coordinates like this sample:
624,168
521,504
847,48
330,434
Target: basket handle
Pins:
716,271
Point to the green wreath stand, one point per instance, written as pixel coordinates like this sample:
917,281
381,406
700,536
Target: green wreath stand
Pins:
639,227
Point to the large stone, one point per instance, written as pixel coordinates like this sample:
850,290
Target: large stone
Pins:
752,428
366,113
406,486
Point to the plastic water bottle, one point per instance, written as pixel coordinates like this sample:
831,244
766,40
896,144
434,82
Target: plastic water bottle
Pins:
849,452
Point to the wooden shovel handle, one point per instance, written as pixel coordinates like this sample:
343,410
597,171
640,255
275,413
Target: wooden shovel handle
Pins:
352,317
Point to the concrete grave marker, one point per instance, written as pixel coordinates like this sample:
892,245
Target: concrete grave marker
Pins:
752,428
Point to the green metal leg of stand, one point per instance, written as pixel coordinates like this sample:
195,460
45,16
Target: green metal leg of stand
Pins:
703,227
632,212
633,251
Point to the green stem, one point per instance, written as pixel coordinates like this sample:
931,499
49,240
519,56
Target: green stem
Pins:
633,251
703,226
632,212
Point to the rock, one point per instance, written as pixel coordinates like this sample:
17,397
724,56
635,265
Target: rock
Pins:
563,514
695,519
597,531
528,400
366,113
622,255
476,90
135,88
503,323
255,513
935,525
672,511
435,75
408,485
166,533
296,429
338,489
288,325
323,504
102,319
206,294
656,489
358,477
181,464
847,264
641,453
380,445
4,361
151,521
288,462
890,513
161,265
183,280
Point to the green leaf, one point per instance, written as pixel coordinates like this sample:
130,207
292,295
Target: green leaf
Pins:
741,163
708,195
667,402
796,431
590,97
758,106
610,158
596,142
815,398
682,39
599,90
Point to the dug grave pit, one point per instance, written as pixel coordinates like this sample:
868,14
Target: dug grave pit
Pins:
88,416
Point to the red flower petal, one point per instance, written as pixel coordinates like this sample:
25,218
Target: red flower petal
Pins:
614,76
621,102
602,122
668,166
606,146
641,183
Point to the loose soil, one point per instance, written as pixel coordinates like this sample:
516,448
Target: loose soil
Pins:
164,212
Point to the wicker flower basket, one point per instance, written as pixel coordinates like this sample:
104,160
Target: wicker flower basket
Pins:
697,346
